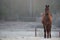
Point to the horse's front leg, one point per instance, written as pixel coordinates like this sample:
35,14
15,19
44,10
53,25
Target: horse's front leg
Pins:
44,32
50,31
49,34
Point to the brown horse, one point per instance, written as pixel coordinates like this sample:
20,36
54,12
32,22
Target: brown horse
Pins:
47,22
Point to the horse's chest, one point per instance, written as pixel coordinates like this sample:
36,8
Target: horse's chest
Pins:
47,19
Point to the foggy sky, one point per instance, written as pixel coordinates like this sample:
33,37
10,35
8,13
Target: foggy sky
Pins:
27,9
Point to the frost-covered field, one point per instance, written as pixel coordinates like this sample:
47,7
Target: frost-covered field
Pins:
29,38
24,31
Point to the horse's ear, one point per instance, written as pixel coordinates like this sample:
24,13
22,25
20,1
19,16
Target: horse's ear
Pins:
45,5
48,5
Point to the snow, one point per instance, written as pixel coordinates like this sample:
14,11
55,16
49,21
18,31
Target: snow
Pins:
23,30
29,38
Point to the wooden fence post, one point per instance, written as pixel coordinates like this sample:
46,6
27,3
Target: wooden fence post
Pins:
59,33
35,32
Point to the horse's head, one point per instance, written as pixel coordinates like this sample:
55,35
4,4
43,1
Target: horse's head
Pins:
47,9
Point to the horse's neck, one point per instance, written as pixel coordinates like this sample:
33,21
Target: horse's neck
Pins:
47,17
46,14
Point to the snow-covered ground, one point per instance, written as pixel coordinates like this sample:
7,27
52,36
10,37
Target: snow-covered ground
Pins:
24,29
29,38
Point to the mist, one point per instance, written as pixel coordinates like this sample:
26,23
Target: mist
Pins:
28,10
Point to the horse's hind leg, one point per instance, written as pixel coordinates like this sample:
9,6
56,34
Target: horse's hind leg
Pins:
49,32
48,35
